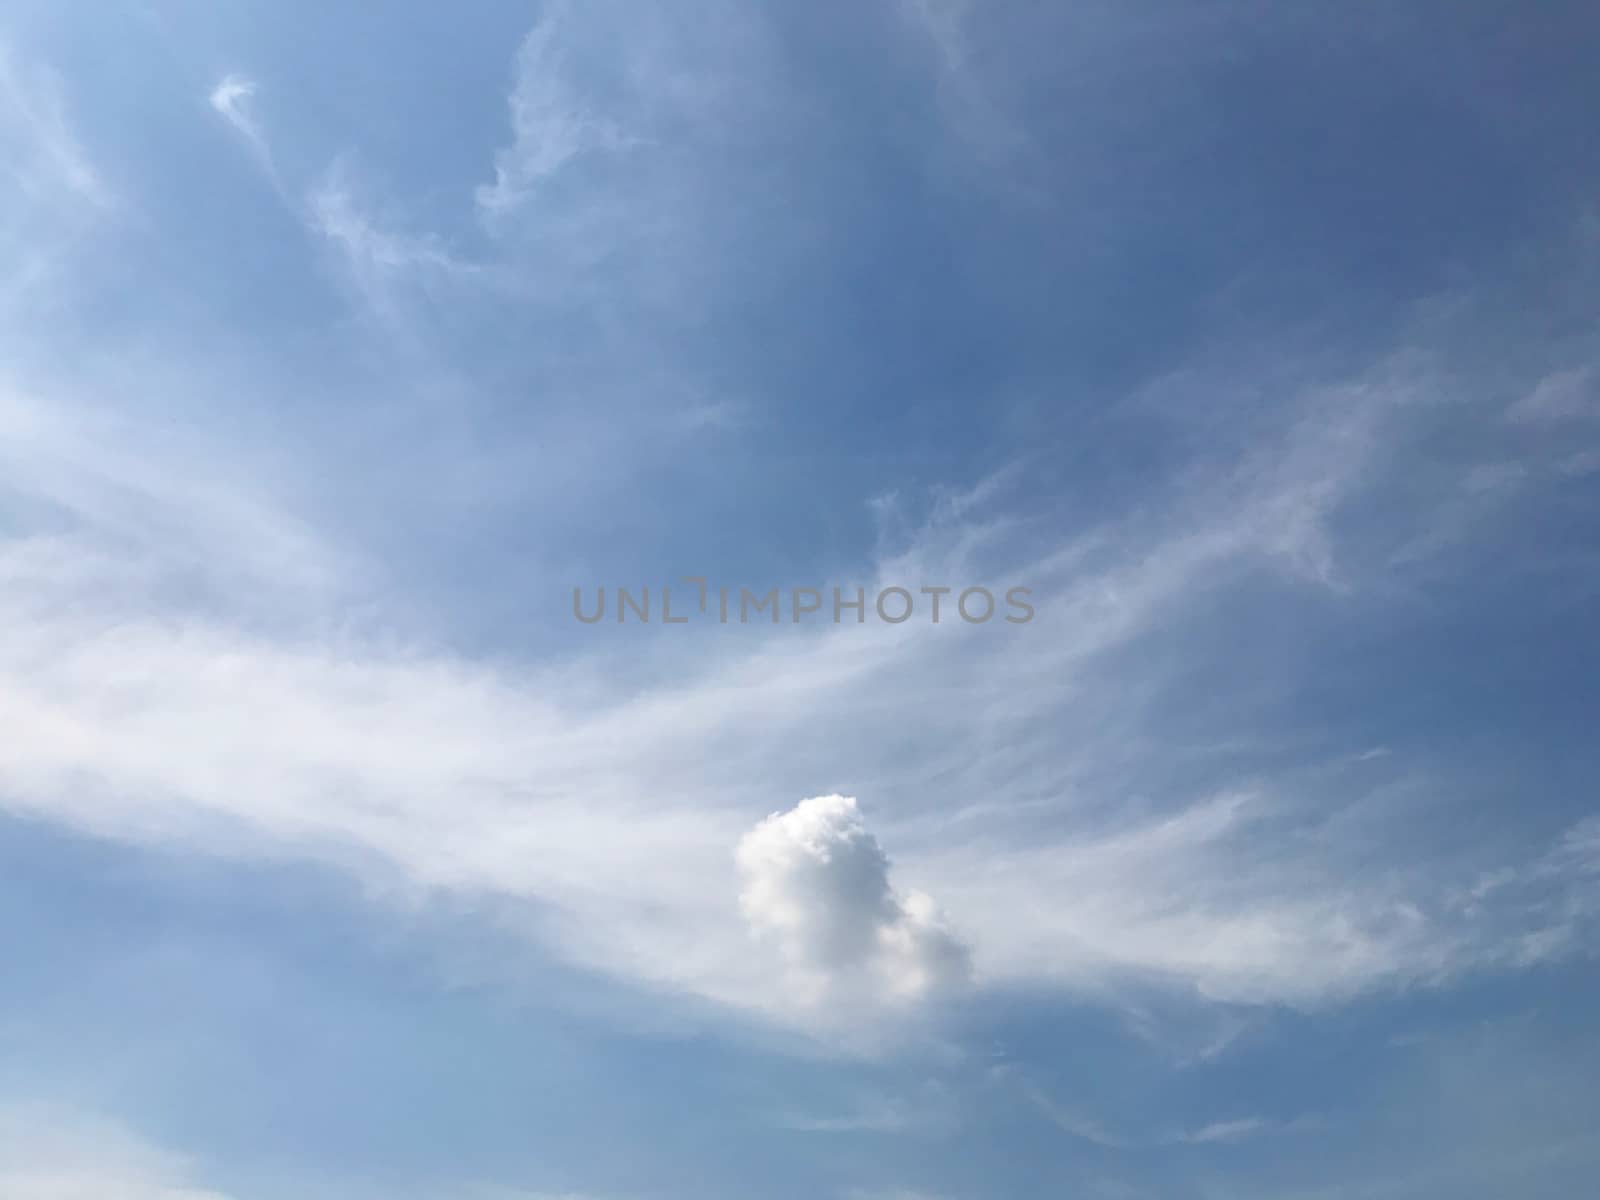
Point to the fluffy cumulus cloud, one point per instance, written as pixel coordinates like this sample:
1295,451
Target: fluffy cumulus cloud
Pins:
816,885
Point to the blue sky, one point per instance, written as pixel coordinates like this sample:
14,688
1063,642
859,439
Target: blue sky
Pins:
339,343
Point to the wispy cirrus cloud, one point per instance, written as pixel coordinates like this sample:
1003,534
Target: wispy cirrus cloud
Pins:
618,813
43,157
929,292
234,101
1559,396
1085,1127
1059,792
55,195
553,121
384,265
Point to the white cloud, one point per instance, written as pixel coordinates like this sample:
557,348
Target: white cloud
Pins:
385,267
1559,396
126,511
817,883
552,122
1226,1131
49,1155
41,158
618,189
231,99
1580,846
52,195
337,216
929,1109
1000,768
389,269
1029,782
1090,1129
966,92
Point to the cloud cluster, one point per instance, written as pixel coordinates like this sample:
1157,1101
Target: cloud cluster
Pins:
816,883
192,653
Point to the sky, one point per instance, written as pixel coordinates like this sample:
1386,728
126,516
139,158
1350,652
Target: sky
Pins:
342,345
